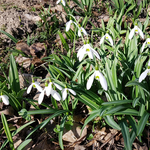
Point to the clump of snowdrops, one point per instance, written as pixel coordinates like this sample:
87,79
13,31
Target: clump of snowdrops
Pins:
117,69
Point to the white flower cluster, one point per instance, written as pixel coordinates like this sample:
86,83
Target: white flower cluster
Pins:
80,29
137,30
50,91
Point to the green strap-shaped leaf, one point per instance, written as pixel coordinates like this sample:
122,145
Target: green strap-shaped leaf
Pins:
134,128
10,36
7,131
126,135
115,109
13,75
117,102
63,41
15,132
87,101
23,144
128,112
61,132
110,121
90,118
142,123
136,83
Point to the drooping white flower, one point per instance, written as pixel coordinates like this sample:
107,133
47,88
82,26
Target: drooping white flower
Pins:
98,76
5,100
54,94
62,1
136,29
80,30
146,42
35,85
50,91
145,73
68,24
65,91
108,37
49,88
87,49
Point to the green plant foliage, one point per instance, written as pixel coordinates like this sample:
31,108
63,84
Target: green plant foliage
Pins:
109,77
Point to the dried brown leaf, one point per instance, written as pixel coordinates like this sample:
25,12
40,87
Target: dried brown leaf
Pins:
23,61
8,111
74,134
23,47
17,143
38,49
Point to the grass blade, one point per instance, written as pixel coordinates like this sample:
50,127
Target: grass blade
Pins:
10,36
61,132
126,135
7,131
142,123
23,144
13,75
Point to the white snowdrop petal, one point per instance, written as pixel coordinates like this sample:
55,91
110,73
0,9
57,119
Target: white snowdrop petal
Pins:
143,46
143,75
58,1
46,89
110,39
95,53
131,33
102,39
84,31
58,86
64,93
90,54
81,54
79,33
80,51
68,24
38,87
102,81
63,2
5,99
29,88
72,91
140,32
56,95
49,89
41,97
90,81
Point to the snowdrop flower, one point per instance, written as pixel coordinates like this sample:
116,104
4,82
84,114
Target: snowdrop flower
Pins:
145,73
65,91
108,37
136,29
68,24
87,49
146,42
81,29
4,98
49,91
98,76
34,85
62,1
